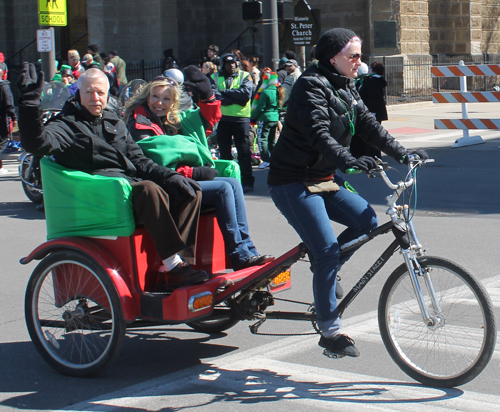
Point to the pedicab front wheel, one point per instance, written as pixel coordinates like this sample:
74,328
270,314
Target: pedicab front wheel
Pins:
73,314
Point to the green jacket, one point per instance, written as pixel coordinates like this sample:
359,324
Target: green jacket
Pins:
267,109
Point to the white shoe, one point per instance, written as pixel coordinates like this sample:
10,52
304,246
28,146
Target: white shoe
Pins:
264,165
4,171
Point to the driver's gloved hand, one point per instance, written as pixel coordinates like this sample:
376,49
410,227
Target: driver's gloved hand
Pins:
420,153
204,173
198,82
178,186
364,163
30,85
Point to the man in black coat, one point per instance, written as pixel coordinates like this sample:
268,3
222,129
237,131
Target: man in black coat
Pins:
87,137
7,112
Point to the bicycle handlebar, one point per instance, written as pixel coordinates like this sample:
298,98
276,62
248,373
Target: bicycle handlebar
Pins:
414,161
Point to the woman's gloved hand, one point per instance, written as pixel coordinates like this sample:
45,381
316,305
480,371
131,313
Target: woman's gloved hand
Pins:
198,82
204,173
30,85
420,153
178,186
364,163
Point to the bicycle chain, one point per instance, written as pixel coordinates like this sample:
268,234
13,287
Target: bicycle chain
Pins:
254,328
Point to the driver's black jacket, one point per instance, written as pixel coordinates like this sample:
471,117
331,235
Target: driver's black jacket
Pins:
96,145
316,135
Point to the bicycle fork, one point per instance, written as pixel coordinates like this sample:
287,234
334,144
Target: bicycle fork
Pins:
410,256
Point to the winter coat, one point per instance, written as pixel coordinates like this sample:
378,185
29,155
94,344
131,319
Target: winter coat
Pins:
7,108
289,82
121,69
267,109
371,90
95,145
316,135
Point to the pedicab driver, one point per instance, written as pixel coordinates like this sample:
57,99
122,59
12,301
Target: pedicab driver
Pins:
324,112
87,137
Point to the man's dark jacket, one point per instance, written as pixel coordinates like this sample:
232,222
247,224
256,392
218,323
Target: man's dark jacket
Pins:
96,145
316,135
7,108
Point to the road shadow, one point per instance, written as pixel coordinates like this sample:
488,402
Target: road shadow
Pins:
463,180
215,387
146,354
21,210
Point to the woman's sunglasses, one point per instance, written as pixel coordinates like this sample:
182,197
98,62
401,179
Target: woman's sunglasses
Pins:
168,79
355,56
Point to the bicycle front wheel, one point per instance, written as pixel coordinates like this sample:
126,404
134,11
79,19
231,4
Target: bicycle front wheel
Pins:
459,342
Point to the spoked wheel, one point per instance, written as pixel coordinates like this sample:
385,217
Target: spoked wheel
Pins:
459,341
223,318
73,314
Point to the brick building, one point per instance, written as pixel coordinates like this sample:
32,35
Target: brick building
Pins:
143,29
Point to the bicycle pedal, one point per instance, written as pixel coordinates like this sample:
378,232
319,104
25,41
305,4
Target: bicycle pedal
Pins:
332,355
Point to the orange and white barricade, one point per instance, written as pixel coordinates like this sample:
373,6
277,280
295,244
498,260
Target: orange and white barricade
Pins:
465,97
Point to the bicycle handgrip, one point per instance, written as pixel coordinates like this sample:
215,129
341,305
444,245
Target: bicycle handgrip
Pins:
353,171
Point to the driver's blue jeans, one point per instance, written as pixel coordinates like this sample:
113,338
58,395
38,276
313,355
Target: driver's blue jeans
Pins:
226,195
311,215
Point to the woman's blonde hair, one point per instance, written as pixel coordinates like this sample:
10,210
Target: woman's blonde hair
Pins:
172,121
211,66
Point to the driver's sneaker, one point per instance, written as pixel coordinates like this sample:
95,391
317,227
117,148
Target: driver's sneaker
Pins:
340,344
182,275
4,171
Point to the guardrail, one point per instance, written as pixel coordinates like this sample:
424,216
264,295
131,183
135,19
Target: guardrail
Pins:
465,97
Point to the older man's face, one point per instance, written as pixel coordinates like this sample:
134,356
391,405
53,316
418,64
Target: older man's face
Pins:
73,60
94,94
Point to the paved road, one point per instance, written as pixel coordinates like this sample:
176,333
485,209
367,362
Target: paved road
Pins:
175,368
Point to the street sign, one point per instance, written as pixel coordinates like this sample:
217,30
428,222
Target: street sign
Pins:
52,13
44,41
303,30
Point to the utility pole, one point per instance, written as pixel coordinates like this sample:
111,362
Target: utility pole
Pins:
270,25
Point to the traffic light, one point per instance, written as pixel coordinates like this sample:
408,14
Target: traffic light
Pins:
252,10
286,10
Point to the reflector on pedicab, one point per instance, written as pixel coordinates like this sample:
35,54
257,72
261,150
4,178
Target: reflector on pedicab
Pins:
200,301
281,279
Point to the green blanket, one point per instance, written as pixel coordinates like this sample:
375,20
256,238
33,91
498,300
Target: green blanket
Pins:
188,148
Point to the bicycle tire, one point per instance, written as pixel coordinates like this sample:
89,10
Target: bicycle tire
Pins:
215,325
73,314
458,349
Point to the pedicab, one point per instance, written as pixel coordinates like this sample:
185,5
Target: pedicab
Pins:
97,276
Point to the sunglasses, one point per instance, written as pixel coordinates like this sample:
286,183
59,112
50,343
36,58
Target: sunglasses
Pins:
168,79
355,56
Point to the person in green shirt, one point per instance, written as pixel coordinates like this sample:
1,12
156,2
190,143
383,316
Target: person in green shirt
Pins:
265,111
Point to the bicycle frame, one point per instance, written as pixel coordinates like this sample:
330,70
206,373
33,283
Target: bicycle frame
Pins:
405,239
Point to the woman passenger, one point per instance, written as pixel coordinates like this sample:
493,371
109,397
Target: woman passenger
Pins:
177,140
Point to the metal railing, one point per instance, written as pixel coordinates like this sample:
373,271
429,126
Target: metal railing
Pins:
409,82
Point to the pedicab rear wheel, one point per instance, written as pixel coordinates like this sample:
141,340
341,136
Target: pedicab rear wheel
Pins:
73,314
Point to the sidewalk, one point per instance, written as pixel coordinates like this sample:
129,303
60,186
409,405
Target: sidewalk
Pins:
413,124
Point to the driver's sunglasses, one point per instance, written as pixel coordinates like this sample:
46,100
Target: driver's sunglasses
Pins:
355,56
168,79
